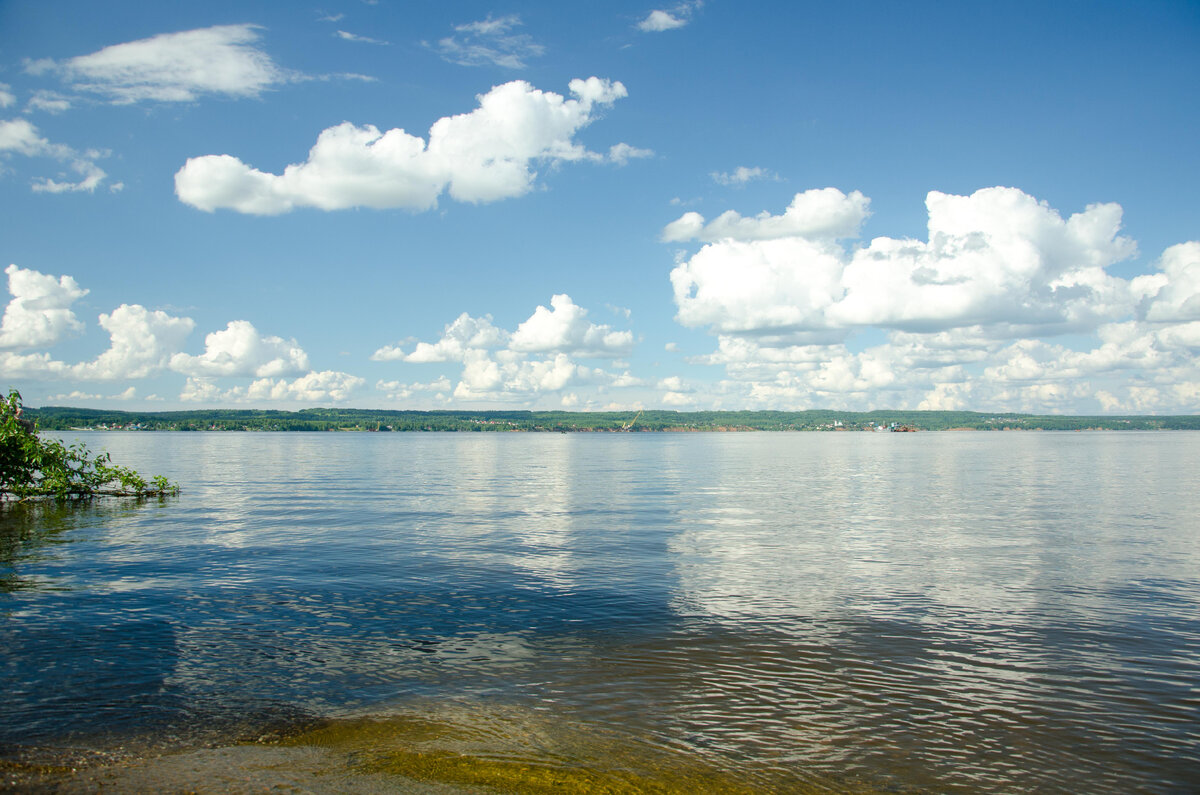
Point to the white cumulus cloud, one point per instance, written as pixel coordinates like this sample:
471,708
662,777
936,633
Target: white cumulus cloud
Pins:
657,21
466,333
784,285
1176,290
997,257
395,390
819,214
564,327
678,16
142,343
39,314
314,387
240,350
21,137
31,366
481,156
537,359
145,343
962,317
514,378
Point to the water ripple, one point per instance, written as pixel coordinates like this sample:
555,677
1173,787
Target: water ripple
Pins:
949,612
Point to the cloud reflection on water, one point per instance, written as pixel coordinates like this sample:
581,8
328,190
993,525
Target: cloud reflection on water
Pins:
823,600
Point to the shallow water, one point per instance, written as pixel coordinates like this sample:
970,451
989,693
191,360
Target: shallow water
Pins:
938,611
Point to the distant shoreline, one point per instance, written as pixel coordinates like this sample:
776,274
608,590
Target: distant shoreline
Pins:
54,418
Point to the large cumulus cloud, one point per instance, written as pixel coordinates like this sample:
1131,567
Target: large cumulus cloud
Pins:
39,313
240,350
969,317
997,257
481,156
142,342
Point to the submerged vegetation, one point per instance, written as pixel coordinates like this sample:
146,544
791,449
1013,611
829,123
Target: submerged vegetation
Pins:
445,751
33,466
330,419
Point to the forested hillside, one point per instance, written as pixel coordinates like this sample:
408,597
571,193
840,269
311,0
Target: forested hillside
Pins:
331,419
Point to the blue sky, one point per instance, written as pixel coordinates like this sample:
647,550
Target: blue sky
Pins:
602,206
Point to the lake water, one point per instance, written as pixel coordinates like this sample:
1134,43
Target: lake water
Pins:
950,612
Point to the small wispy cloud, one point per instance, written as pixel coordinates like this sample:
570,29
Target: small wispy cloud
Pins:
622,153
347,76
743,174
490,41
331,17
19,137
343,35
659,20
90,175
49,101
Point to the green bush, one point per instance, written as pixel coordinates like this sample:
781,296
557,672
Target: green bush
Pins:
32,466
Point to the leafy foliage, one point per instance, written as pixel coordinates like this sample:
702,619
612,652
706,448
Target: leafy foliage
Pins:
33,466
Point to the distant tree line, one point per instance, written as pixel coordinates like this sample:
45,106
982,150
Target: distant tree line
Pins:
335,419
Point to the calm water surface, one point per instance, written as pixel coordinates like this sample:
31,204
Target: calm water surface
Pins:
992,612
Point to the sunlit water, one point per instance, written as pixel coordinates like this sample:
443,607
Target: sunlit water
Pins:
999,612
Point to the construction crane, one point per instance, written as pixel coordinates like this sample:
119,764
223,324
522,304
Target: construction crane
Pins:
626,426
